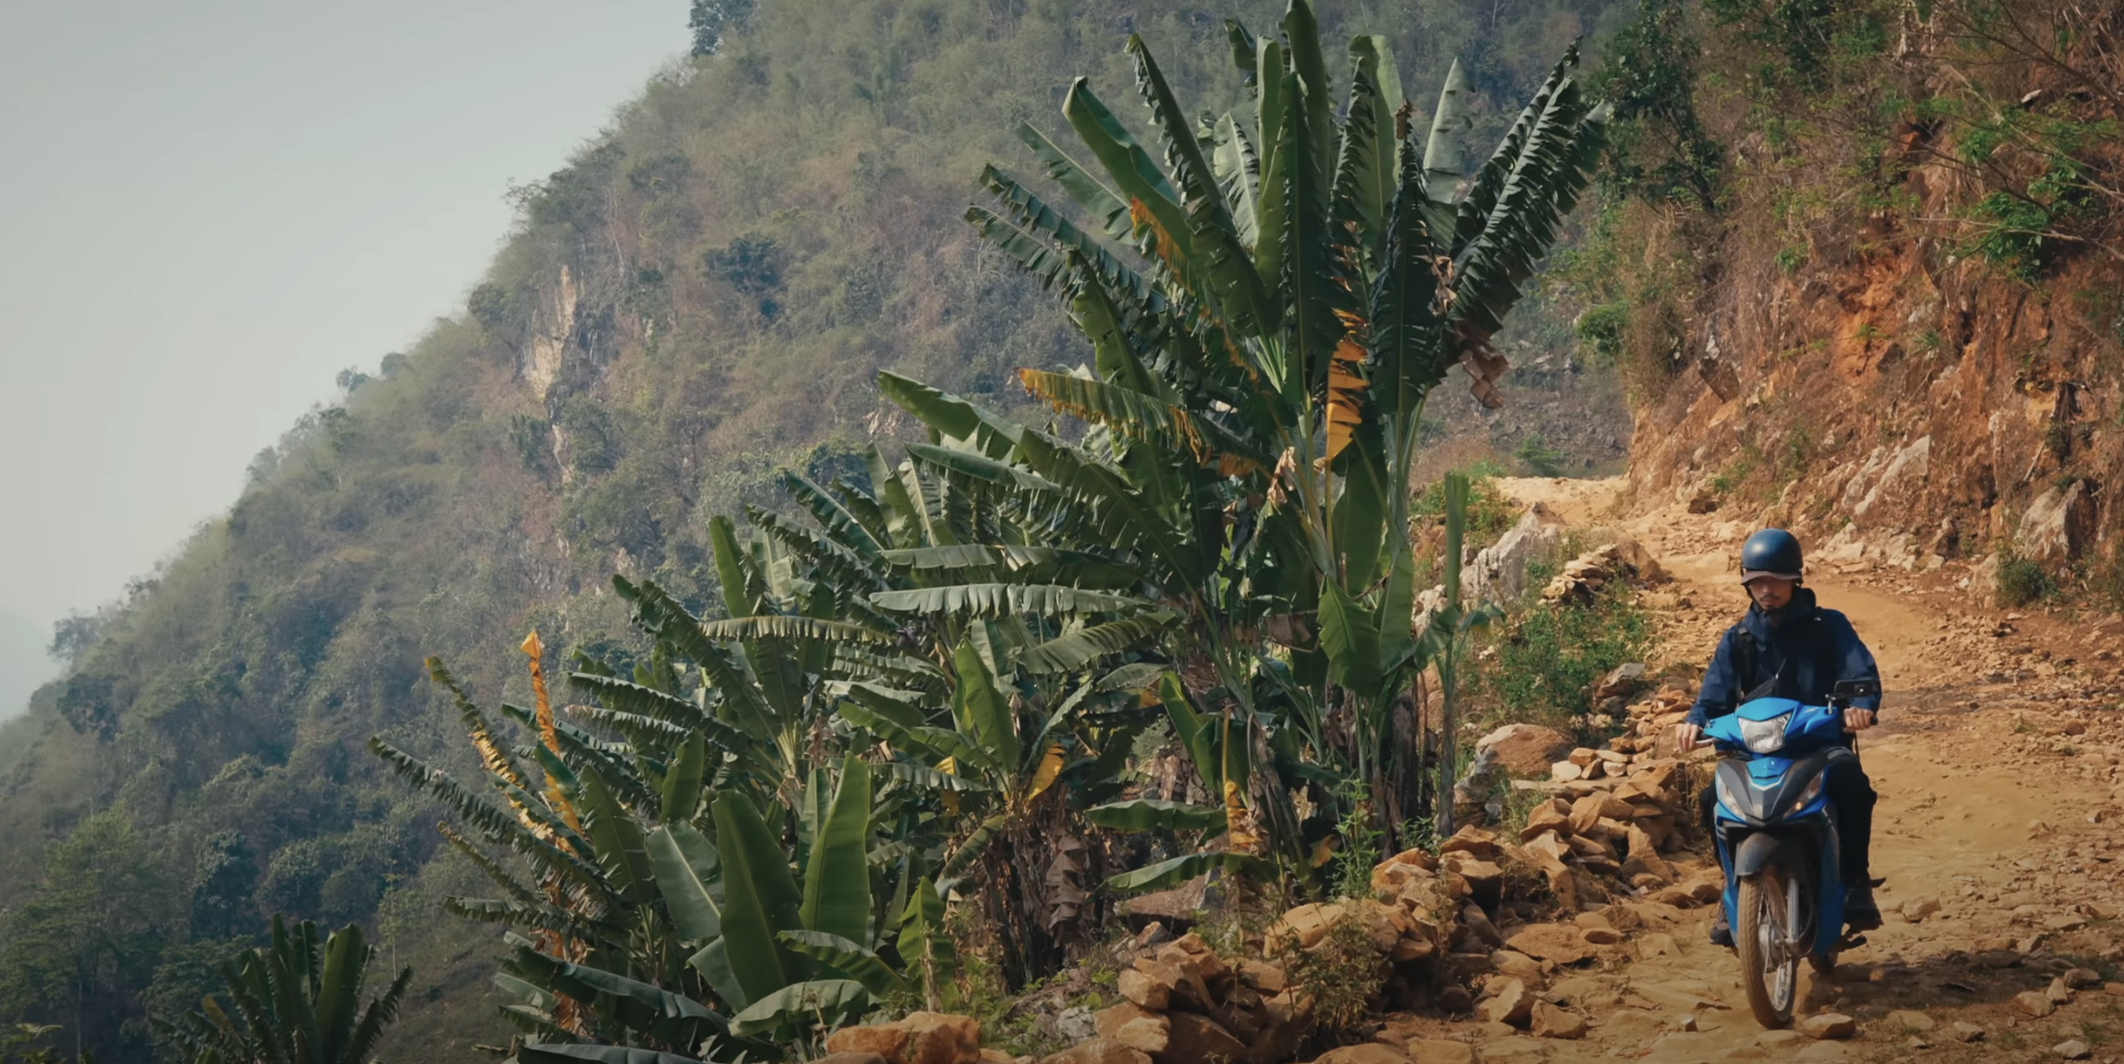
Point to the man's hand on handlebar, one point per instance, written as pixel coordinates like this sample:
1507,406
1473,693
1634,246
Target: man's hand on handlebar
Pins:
1688,737
1857,720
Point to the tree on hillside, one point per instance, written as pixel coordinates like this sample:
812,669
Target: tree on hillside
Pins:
712,20
82,947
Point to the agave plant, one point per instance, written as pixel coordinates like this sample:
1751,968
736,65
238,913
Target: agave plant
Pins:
298,1000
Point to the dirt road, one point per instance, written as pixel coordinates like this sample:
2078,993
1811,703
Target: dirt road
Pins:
1997,762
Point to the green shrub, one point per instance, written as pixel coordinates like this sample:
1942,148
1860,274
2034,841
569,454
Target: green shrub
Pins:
1340,974
2022,581
1538,457
1544,669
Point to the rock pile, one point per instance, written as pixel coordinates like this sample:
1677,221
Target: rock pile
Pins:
1187,1005
1611,814
1649,724
1583,577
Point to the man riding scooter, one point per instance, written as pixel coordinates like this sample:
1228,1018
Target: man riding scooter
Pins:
1786,646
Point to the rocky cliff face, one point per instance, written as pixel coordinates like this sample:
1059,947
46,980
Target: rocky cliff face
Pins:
1898,405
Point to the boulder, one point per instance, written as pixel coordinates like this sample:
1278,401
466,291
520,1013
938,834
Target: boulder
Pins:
1307,923
1516,965
1630,1026
2035,1003
1507,1001
1098,1051
2058,525
1075,1024
1470,840
917,1038
1525,749
2083,978
1135,1027
853,1058
1440,1051
1147,990
1967,1032
2072,1050
1552,1021
1280,1024
1555,943
1828,1026
1482,880
1263,976
1621,681
1363,1053
1393,874
1917,909
1909,1020
2059,993
1474,919
1547,818
1199,1040
1499,572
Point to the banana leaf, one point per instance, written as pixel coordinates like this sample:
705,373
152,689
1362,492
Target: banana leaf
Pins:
1151,814
1179,870
837,879
848,958
833,1000
683,883
759,898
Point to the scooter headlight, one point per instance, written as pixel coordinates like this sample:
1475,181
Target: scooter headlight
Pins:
1807,794
1765,736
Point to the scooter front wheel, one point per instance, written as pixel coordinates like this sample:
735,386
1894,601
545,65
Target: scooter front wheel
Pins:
1762,933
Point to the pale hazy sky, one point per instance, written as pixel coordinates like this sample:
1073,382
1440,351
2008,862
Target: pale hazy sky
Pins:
207,209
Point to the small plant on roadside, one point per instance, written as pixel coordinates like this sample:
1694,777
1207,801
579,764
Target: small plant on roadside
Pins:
1360,844
1340,975
2021,581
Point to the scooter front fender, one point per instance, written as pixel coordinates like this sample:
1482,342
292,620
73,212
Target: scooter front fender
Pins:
1762,849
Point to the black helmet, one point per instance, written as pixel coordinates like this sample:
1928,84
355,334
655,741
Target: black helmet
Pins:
1771,552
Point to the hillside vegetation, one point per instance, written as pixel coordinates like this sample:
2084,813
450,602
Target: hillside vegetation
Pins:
702,297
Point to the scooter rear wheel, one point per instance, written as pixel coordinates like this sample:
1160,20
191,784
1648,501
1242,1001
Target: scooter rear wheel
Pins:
1761,930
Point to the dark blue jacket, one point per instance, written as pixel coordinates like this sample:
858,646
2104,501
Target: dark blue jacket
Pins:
1822,645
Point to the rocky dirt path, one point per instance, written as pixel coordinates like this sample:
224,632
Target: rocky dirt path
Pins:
1997,763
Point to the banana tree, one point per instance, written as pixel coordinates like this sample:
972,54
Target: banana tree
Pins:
1300,283
622,931
297,1000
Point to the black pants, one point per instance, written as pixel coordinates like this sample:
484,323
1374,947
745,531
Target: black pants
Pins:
1853,795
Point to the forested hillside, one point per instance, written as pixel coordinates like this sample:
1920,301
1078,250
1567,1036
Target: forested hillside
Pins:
703,296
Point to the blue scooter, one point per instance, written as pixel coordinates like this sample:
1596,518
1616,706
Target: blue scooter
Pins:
1776,840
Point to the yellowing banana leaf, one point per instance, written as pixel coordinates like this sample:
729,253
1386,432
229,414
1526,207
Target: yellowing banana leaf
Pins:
1044,777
